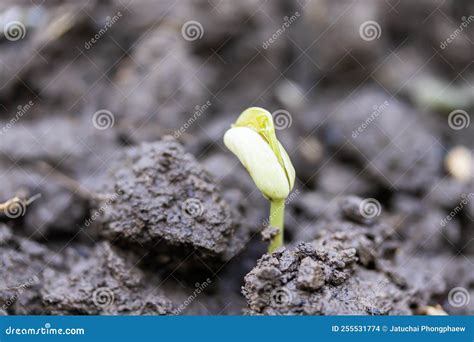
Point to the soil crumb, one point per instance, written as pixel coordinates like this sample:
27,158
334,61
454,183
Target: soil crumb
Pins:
322,278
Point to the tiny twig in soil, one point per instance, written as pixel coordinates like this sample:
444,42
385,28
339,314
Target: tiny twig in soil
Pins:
73,185
70,183
16,206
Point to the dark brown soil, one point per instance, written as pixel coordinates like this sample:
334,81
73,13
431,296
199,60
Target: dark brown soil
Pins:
166,202
117,287
350,268
147,212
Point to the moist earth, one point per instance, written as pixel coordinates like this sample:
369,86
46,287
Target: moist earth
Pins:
379,221
167,203
103,282
345,270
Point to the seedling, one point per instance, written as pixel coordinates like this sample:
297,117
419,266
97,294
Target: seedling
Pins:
253,140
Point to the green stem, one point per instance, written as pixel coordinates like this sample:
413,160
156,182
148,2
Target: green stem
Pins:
277,220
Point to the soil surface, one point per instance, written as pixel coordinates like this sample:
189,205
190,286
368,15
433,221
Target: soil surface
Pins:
119,197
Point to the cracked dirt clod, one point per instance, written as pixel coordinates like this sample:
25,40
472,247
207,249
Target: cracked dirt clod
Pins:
104,282
21,272
325,277
169,202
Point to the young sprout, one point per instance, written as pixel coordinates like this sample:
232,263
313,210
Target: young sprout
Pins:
253,140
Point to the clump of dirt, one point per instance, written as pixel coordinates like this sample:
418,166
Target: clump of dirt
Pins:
324,277
38,156
346,269
320,212
23,263
103,282
399,151
168,204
